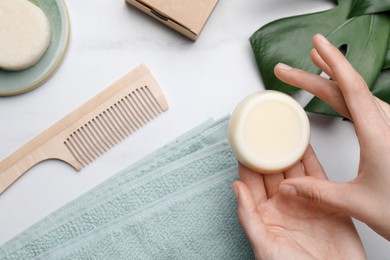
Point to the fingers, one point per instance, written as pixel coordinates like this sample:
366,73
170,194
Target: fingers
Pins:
308,166
262,186
320,63
312,165
347,93
346,198
296,171
384,107
248,215
272,182
359,100
254,182
321,87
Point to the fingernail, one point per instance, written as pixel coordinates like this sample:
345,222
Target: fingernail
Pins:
287,190
322,38
283,66
235,190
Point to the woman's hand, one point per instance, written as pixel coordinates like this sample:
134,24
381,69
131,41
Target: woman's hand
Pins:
292,227
367,197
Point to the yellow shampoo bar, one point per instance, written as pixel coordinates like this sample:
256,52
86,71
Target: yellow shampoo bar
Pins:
269,132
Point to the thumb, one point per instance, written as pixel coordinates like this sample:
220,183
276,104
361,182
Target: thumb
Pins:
340,196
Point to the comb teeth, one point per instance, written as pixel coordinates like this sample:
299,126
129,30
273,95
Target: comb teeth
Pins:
93,128
112,125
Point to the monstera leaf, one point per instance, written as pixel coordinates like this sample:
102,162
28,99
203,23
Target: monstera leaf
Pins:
370,63
381,88
369,7
365,39
288,40
386,64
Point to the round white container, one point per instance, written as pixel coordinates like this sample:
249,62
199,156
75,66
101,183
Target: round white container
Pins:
269,132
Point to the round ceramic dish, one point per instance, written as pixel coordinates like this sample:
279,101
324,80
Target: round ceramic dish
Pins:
17,82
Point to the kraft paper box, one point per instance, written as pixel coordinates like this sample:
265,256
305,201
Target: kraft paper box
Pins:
185,16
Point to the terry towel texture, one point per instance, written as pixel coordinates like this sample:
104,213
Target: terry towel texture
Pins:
176,203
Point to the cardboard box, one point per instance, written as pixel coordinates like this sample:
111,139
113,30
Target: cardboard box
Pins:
185,16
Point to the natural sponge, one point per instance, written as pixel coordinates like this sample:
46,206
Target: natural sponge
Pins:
24,34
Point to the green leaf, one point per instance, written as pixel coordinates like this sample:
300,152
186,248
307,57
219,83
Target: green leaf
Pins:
386,64
288,40
34,2
361,7
381,88
367,41
374,51
318,106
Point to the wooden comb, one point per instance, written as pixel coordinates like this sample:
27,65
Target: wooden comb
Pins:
93,128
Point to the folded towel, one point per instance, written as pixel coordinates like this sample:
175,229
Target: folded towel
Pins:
176,203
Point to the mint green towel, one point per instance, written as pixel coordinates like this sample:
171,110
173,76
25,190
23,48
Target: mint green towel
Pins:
176,203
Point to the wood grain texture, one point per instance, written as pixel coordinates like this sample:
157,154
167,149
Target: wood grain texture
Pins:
93,128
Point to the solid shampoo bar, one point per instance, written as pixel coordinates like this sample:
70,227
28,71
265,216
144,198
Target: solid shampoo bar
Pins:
24,34
269,132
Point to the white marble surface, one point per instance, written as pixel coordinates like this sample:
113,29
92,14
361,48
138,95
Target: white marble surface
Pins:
201,80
